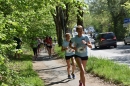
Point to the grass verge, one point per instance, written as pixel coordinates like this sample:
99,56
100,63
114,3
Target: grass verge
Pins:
105,69
25,74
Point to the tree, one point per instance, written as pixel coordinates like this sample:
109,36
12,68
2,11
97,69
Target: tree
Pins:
61,13
110,15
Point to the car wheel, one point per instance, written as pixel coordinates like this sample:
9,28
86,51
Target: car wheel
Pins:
125,42
100,47
115,46
108,46
95,46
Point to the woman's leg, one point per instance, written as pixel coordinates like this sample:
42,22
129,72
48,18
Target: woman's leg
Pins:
84,62
35,53
68,66
82,71
73,67
49,51
73,64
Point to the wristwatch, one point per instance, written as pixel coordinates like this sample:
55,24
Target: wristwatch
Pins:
86,43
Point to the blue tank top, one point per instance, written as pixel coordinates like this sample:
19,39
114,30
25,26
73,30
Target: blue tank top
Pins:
69,51
82,50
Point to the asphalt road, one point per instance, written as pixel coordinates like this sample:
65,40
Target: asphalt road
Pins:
121,54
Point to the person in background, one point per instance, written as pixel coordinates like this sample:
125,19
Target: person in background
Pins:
39,45
45,44
54,40
18,47
81,53
69,55
34,47
49,45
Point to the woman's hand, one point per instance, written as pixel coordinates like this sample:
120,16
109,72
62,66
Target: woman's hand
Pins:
66,48
74,48
84,42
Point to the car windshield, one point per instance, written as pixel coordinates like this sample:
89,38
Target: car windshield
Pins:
108,35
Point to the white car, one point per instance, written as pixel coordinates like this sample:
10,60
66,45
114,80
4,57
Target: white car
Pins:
127,40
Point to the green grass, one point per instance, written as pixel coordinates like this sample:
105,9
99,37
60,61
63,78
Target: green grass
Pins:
105,69
109,70
59,52
26,75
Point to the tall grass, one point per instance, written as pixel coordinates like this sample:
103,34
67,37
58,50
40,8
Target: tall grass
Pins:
109,70
25,74
59,52
105,69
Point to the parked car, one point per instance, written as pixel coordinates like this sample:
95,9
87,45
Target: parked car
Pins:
106,39
127,39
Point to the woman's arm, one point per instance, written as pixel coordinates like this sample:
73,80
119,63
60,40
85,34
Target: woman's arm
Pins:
63,48
87,43
70,45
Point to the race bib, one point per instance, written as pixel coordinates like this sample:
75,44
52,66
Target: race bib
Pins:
69,50
81,49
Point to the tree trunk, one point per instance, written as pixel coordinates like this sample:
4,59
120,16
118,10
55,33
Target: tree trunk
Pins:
80,16
58,24
61,21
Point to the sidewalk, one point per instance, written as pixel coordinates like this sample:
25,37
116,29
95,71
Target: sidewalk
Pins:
53,72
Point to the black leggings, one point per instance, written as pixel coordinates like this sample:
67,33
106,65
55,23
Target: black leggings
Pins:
35,51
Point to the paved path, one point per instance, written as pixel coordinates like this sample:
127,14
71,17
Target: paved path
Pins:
53,72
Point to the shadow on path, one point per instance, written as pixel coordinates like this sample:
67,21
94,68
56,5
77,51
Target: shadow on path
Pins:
45,58
51,68
57,82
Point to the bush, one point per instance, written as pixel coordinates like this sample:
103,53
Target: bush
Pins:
58,51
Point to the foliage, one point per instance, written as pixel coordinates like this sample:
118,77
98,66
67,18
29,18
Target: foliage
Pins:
108,15
15,72
59,52
99,15
37,18
28,19
62,12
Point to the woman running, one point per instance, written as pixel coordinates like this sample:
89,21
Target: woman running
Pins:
69,54
81,53
34,47
49,46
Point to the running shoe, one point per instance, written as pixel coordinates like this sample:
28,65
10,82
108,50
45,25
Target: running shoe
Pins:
80,84
73,76
69,77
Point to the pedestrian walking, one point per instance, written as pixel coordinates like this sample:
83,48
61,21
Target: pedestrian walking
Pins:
81,53
49,46
39,45
18,47
45,44
34,47
69,56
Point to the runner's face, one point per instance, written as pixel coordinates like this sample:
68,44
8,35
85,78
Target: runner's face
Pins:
79,31
67,37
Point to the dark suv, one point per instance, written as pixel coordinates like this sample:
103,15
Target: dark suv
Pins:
106,39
